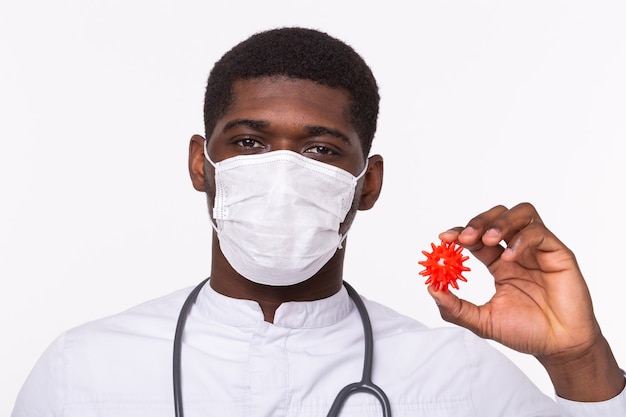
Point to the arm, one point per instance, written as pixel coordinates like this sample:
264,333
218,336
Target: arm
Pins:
541,305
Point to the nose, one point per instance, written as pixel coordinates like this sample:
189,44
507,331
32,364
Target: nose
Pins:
284,144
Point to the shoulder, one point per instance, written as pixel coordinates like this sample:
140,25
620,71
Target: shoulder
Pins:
122,352
462,369
141,334
153,319
152,316
459,366
390,326
385,319
419,344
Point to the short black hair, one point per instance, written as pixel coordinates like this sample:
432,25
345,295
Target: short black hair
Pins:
298,53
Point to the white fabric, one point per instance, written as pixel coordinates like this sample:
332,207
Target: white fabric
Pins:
235,364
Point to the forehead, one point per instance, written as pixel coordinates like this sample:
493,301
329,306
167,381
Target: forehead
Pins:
287,87
282,98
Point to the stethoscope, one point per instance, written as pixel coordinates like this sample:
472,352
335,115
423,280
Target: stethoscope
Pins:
364,385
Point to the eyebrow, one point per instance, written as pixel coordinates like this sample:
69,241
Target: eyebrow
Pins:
322,130
254,124
262,124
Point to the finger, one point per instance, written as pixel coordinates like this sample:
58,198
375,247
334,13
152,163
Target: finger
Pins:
509,223
451,235
483,253
537,239
485,232
487,255
457,311
471,236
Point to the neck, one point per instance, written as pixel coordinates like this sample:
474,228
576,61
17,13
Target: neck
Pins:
226,281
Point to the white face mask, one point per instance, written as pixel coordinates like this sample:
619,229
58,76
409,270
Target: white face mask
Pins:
278,213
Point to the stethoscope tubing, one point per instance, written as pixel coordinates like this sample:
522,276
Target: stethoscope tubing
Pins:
178,344
364,385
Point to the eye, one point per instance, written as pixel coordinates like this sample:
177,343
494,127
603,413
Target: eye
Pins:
249,143
320,150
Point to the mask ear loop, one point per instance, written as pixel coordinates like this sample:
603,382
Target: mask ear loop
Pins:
208,158
206,153
356,180
358,177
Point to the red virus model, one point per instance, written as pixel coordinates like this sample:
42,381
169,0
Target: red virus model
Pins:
444,266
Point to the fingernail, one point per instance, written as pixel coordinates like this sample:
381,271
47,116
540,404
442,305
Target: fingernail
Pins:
492,233
469,231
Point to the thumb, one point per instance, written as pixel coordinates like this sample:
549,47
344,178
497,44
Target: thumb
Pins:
457,311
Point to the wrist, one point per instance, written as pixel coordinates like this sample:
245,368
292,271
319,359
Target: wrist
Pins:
588,375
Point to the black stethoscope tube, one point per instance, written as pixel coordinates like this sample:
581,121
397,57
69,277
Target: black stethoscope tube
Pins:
364,385
178,342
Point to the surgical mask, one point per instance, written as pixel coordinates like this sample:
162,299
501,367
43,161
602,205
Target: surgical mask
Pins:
277,214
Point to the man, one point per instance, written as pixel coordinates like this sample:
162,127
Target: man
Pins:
290,115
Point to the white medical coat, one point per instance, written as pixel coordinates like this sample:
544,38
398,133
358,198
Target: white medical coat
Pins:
236,364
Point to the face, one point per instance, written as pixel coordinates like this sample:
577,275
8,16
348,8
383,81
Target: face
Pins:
279,113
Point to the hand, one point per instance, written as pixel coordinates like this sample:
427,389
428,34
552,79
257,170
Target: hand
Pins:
541,304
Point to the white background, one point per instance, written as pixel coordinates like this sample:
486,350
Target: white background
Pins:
483,102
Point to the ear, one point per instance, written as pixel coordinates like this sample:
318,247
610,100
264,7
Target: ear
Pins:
196,162
373,182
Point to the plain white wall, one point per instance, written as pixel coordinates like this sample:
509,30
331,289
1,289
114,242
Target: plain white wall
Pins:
483,102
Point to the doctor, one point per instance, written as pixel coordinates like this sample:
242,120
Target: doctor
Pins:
290,115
